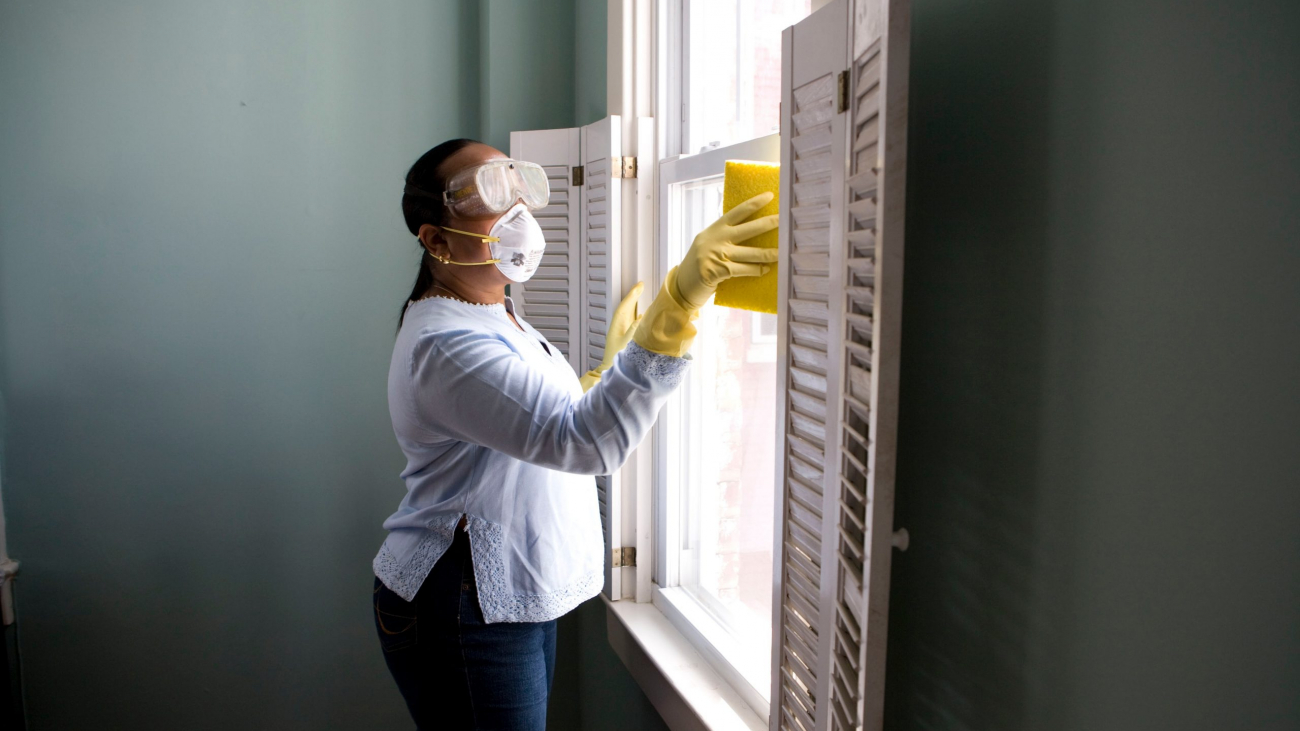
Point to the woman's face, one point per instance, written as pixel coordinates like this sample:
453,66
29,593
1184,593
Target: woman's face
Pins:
459,247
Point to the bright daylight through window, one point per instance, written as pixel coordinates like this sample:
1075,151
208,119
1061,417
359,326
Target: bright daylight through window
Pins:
733,64
727,480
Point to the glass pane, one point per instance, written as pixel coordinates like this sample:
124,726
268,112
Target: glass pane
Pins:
727,463
733,68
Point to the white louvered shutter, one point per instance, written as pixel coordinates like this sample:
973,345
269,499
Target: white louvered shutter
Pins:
841,277
570,298
599,291
873,278
548,300
812,154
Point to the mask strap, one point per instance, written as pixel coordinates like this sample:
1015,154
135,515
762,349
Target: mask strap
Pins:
485,238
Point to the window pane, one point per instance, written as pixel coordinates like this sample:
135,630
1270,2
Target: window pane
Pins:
732,490
727,463
733,68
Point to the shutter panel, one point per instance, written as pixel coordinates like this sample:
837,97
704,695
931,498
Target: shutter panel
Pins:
577,285
813,152
844,139
548,300
599,291
873,278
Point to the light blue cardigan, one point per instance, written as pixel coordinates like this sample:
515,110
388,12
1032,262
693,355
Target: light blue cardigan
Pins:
496,428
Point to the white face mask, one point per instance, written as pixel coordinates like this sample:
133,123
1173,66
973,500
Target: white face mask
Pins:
521,243
516,242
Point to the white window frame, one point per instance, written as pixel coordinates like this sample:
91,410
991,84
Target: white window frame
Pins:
677,652
672,652
690,616
683,686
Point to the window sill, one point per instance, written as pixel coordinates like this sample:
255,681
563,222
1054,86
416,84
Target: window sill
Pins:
735,663
684,688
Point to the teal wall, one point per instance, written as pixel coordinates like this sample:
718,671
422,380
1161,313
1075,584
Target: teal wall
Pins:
201,263
1099,392
526,67
589,61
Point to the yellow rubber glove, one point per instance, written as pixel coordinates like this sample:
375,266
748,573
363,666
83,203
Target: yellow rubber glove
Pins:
622,323
668,326
717,255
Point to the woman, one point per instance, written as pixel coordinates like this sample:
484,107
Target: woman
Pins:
499,533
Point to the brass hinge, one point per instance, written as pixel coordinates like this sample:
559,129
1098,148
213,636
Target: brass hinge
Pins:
578,175
623,167
843,105
624,557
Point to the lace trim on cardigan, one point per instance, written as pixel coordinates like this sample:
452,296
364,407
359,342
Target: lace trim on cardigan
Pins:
487,544
666,369
489,305
405,580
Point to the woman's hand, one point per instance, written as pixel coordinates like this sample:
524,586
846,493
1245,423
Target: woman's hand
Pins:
622,323
716,255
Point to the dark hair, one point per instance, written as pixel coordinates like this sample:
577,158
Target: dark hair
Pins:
422,203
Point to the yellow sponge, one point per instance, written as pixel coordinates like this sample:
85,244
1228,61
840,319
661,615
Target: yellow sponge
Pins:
744,180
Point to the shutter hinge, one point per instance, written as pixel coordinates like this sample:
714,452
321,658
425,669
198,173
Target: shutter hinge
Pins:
578,172
843,105
624,557
623,167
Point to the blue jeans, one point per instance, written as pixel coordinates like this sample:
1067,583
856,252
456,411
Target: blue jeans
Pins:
454,670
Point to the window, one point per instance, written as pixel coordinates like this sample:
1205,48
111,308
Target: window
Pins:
745,471
716,440
716,480
717,475
726,515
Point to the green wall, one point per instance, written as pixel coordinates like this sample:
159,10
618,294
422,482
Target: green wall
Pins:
526,67
1099,369
589,61
201,263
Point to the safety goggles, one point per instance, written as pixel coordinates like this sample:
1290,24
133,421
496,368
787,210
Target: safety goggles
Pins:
494,186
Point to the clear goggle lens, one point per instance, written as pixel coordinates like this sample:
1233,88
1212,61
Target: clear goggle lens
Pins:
494,187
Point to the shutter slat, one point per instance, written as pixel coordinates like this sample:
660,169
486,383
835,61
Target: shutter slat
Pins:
814,239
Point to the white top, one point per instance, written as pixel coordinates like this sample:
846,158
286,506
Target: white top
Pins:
496,428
